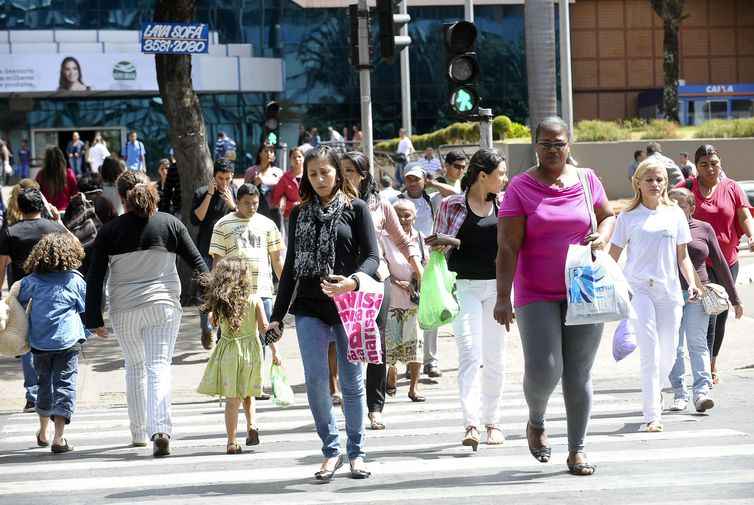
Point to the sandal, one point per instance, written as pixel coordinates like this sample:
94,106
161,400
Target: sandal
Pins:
234,448
715,378
653,427
252,437
375,423
541,454
391,390
494,435
584,468
471,438
40,442
61,448
358,469
327,475
417,398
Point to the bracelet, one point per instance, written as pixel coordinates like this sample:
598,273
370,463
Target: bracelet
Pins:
356,279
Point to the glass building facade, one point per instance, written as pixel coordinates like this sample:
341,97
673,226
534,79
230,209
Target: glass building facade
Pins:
321,86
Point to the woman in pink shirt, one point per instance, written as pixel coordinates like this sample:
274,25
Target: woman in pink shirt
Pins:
56,180
543,212
723,204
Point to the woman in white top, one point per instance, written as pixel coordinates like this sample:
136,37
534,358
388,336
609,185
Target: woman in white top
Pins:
656,232
97,153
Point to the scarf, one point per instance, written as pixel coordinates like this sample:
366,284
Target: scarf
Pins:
316,234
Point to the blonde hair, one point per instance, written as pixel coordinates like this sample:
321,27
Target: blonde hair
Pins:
403,203
644,167
13,214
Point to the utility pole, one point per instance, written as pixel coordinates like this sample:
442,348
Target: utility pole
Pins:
468,10
365,83
566,84
485,128
405,76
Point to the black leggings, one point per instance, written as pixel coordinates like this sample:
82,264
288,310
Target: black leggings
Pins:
377,374
716,328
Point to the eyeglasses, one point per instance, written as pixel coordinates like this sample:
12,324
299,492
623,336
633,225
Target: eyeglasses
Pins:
558,146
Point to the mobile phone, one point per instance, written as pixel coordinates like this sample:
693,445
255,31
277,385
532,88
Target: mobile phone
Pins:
271,336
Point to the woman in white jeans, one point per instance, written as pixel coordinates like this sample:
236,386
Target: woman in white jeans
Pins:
139,249
656,232
468,223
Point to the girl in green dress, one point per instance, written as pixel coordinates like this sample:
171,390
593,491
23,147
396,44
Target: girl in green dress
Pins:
235,368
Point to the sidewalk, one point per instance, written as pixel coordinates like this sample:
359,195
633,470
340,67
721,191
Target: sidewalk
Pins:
102,378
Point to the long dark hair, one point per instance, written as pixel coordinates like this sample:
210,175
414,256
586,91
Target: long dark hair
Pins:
54,171
484,160
111,169
368,187
63,82
331,156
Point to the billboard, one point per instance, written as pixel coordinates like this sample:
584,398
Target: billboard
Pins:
64,74
174,38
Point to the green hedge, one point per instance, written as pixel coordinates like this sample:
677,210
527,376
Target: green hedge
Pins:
726,129
460,133
600,131
661,129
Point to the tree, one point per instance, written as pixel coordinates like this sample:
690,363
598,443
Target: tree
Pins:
539,26
186,129
672,14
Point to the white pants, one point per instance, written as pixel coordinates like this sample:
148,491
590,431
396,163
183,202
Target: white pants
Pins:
657,324
147,336
481,347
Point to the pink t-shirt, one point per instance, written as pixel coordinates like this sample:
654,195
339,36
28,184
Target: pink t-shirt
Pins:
720,210
555,218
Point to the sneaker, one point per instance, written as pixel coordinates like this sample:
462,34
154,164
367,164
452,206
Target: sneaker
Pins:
703,403
679,405
30,406
432,371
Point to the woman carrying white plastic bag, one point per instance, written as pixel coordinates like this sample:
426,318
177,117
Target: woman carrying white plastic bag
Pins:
655,231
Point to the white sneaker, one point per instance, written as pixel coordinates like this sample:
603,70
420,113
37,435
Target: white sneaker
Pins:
679,405
703,403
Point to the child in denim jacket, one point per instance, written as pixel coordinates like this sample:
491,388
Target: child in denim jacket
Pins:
57,292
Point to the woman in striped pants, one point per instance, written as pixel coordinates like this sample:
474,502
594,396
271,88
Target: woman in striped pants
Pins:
139,249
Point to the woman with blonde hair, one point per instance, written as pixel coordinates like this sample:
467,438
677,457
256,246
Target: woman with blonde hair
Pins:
13,213
655,232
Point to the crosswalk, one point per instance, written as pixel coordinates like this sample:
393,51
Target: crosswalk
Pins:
418,458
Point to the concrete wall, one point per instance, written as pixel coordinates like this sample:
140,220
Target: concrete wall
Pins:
610,159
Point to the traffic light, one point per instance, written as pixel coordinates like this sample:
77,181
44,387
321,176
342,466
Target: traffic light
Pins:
463,67
391,42
271,135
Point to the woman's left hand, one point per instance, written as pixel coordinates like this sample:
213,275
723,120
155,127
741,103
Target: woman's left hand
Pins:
694,293
339,285
596,241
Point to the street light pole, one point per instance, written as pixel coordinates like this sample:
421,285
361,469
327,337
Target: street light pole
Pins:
468,11
566,84
365,83
405,77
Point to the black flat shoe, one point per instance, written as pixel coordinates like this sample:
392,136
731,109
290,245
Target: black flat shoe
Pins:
61,448
417,398
40,443
161,442
541,454
253,437
327,475
583,469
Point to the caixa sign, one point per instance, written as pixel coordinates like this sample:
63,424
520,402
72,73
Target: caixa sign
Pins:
174,38
720,88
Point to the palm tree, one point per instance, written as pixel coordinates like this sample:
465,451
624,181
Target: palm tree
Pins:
672,14
539,24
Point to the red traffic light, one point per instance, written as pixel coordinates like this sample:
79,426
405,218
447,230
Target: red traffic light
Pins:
460,37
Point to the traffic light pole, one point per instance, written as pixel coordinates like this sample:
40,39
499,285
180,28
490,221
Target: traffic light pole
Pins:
365,83
485,128
468,11
566,84
405,77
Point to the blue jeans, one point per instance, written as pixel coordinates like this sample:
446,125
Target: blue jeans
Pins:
30,377
206,326
694,328
57,372
314,337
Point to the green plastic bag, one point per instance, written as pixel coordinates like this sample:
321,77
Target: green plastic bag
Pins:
282,393
437,300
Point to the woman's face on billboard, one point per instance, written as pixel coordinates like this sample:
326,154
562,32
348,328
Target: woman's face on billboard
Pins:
71,72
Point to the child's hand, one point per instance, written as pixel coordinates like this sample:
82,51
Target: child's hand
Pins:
275,359
101,332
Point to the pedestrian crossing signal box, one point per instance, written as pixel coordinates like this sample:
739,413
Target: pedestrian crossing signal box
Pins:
271,135
463,68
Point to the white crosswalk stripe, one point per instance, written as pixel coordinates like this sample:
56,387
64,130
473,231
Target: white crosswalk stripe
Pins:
420,450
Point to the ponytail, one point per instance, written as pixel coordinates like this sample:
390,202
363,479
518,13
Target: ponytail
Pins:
142,200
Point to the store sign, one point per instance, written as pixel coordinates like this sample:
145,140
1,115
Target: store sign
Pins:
174,38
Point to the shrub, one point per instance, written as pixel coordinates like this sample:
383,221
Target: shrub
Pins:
599,131
658,129
721,128
633,124
519,131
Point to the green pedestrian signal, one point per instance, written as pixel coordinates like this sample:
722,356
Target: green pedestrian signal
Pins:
464,101
272,138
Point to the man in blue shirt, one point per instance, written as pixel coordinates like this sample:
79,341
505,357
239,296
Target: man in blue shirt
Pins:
75,153
225,147
134,153
24,159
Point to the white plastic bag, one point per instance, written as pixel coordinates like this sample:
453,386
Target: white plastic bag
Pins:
14,325
596,288
624,340
282,393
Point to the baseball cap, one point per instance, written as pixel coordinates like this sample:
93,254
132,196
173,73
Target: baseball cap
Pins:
416,172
